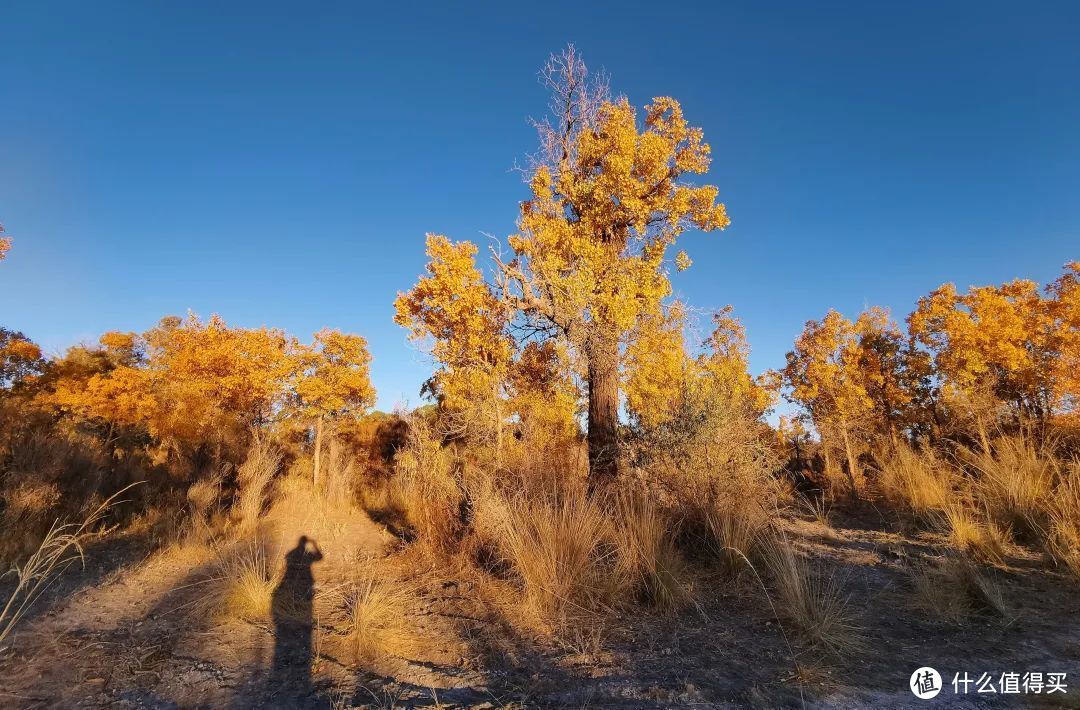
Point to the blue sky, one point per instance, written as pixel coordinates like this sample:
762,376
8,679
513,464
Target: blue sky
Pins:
279,164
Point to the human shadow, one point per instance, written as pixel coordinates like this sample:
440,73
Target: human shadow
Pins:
292,612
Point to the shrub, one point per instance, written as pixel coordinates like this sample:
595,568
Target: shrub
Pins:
425,486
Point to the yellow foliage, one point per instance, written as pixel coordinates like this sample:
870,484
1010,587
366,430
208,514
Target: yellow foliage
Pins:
20,359
1003,338
822,373
657,367
455,311
594,234
724,367
335,376
188,382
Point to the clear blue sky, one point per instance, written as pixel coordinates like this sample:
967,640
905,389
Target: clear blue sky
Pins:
279,164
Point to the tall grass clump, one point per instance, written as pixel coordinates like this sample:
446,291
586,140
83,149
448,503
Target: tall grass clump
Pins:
374,614
953,588
243,583
1063,512
253,476
648,557
977,535
559,547
811,600
918,482
1015,481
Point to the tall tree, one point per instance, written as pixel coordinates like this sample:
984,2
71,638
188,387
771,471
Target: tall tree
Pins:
1064,316
607,201
334,381
20,360
455,313
186,382
882,362
992,347
822,376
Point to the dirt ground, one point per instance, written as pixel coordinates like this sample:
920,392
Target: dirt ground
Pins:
129,631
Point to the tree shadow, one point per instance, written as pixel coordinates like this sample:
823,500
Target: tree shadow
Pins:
292,612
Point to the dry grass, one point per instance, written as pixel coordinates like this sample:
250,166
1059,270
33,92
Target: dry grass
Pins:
734,526
63,544
647,555
560,549
1063,540
818,508
254,475
338,480
204,496
918,482
375,614
814,602
243,583
953,588
978,536
1015,482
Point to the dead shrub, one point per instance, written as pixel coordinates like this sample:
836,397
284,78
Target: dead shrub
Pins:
426,486
338,481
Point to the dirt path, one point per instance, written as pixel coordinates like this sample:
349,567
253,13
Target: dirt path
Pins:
138,637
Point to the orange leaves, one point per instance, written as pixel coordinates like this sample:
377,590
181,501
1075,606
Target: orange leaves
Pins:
20,359
998,337
966,357
335,375
192,382
822,372
5,244
456,313
660,371
593,237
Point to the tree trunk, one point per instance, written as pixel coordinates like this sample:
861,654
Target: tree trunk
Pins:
850,462
603,435
318,451
498,427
